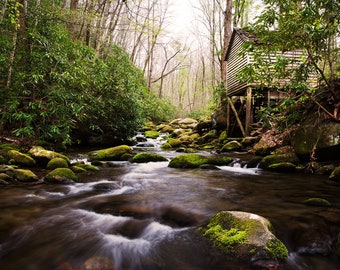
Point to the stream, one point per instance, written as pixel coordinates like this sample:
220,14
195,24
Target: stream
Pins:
142,216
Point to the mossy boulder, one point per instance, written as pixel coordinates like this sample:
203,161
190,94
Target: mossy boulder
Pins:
77,169
153,134
322,140
285,167
317,202
43,156
219,160
20,158
244,236
147,157
275,159
61,175
88,167
231,146
56,163
117,153
335,175
5,177
223,136
188,161
25,175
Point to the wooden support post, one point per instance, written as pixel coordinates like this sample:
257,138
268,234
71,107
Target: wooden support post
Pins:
228,118
249,111
237,117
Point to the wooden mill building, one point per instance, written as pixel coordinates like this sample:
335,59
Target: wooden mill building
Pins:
242,92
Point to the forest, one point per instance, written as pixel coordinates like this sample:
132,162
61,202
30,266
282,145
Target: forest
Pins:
71,68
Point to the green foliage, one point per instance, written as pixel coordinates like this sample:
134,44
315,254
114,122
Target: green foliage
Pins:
310,27
60,86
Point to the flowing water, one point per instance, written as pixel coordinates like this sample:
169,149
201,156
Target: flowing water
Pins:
144,216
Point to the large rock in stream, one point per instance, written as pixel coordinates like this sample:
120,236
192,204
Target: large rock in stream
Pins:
322,141
44,156
118,153
246,237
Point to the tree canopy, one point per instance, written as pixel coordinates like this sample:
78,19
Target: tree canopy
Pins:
54,85
312,27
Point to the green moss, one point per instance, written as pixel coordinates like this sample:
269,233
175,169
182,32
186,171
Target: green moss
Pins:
188,161
113,153
44,156
275,159
276,249
166,146
219,161
231,146
88,167
25,175
225,239
60,175
153,134
335,175
56,163
147,157
20,158
286,167
78,169
317,202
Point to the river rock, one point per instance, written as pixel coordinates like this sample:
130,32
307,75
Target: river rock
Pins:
118,153
276,159
60,175
317,202
44,156
98,263
20,158
147,157
231,146
25,175
335,175
153,134
246,237
284,167
323,141
188,161
184,123
56,163
5,178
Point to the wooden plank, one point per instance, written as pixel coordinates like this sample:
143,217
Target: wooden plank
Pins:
249,111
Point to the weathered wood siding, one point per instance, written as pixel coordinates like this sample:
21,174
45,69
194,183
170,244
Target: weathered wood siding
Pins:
235,63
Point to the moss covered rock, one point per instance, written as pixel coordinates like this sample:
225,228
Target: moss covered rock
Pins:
147,157
60,175
244,236
219,160
44,156
231,146
57,163
188,161
20,158
335,175
153,134
317,202
77,169
5,177
117,153
88,167
275,159
285,167
323,140
25,175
